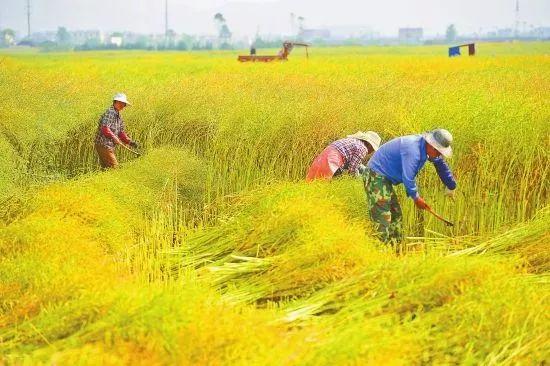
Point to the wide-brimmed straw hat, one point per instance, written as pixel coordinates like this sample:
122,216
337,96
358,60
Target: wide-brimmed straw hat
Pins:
371,137
121,97
441,140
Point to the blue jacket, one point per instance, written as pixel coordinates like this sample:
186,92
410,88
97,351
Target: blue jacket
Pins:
400,160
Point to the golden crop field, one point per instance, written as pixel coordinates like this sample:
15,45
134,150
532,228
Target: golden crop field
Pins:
210,248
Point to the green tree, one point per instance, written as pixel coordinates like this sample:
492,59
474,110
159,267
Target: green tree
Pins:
301,21
142,42
170,41
218,17
7,37
92,44
451,33
224,34
63,37
182,45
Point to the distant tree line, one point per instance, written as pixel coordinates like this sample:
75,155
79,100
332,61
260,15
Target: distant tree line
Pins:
7,37
273,43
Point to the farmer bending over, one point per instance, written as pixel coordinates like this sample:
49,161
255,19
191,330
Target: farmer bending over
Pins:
111,132
344,154
399,161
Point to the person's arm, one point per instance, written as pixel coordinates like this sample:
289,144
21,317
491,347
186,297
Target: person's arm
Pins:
124,138
106,131
357,159
409,163
444,172
408,166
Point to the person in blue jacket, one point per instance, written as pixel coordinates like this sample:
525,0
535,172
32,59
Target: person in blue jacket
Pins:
399,161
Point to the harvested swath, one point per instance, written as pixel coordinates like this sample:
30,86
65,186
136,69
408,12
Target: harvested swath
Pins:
288,240
430,308
529,240
135,323
389,285
78,236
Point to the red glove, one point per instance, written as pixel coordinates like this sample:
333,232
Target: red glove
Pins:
421,204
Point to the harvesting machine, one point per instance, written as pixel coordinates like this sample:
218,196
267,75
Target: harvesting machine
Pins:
282,55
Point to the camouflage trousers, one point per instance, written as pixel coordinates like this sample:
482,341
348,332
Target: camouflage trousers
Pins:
384,207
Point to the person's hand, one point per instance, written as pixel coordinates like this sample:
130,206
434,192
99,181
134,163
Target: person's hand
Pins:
134,144
450,193
117,140
421,204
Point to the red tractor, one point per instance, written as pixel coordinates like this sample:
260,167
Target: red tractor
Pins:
281,56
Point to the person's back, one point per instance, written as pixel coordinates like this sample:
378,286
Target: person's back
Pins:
400,160
344,154
353,150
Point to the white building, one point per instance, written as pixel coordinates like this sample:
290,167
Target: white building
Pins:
81,37
115,40
411,35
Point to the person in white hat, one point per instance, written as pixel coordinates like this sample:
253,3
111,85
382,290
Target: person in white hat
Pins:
111,132
399,161
344,154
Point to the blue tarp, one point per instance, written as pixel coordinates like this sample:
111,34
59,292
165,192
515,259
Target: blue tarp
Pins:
454,51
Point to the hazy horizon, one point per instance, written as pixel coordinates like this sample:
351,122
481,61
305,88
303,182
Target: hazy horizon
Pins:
245,18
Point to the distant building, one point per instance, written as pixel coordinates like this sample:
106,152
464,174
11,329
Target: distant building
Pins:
81,37
41,37
411,35
132,38
505,33
312,34
541,32
115,41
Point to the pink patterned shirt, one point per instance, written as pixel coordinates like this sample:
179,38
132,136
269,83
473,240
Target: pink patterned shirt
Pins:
353,150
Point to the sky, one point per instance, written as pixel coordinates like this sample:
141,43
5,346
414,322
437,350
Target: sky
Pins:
246,17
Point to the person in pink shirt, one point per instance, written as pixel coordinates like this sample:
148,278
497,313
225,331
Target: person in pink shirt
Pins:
344,154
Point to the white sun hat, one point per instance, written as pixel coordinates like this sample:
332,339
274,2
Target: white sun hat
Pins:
121,97
371,137
441,140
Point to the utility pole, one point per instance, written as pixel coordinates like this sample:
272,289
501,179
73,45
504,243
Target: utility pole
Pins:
166,22
29,18
293,24
516,31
